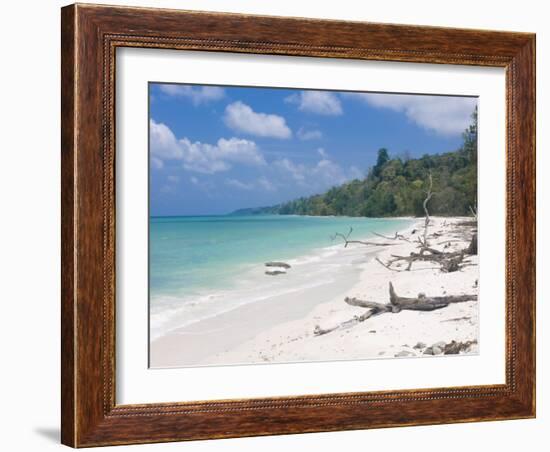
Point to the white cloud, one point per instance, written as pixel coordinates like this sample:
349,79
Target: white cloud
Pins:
322,152
306,135
209,158
197,94
266,184
156,163
356,173
239,150
163,142
297,171
443,114
329,173
202,157
240,117
170,184
203,185
320,102
320,176
235,183
261,183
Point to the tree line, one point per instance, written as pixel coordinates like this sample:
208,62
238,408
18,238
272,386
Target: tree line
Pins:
396,186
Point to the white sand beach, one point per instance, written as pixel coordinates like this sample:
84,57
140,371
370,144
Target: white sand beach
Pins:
282,329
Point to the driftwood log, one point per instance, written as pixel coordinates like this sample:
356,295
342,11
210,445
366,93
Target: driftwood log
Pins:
275,272
419,303
472,248
397,236
429,195
448,261
277,264
396,305
347,241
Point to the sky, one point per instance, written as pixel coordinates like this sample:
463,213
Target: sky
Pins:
216,149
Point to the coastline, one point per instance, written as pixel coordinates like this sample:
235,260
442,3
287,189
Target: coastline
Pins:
200,268
281,329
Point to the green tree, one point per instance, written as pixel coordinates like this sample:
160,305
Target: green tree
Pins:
398,186
383,158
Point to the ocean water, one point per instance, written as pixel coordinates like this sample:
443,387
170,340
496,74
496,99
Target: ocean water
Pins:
202,266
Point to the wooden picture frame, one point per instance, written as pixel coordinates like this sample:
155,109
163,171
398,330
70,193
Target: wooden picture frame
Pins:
90,36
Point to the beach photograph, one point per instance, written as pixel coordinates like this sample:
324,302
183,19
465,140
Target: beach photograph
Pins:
293,225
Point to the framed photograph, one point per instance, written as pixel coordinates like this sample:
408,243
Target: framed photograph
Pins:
283,225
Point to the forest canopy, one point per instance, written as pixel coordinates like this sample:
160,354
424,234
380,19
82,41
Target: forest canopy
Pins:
396,186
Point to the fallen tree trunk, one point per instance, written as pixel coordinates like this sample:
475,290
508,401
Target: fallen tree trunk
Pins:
318,331
472,248
372,305
448,261
275,272
452,265
419,303
424,303
277,264
467,223
396,305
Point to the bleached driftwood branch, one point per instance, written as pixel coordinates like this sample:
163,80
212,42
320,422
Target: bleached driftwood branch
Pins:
395,237
397,304
347,241
429,195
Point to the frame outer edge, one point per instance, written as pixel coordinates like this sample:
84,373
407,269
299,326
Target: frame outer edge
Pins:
534,225
86,419
526,218
68,230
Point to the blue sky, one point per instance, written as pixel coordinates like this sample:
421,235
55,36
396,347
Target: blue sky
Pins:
215,149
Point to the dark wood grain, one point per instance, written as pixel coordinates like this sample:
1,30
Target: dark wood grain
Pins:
68,310
90,36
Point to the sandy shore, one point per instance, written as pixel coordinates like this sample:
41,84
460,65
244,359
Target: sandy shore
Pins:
283,329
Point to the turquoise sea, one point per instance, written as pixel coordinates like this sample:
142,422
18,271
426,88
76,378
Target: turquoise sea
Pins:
204,265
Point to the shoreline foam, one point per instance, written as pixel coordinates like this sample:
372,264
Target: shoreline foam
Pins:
282,330
171,312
